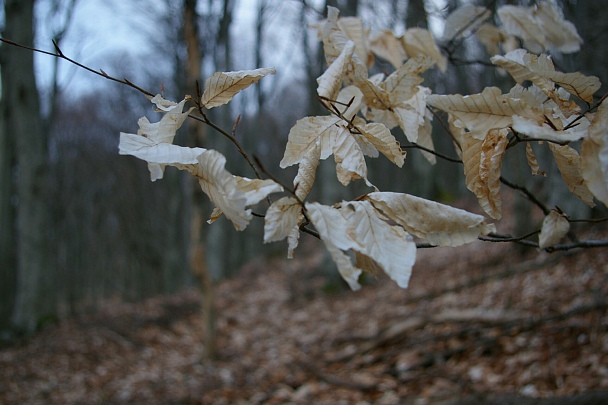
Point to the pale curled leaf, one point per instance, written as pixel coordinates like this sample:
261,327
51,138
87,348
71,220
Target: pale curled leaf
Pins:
334,41
482,112
305,135
390,247
334,232
559,34
544,131
159,155
482,165
491,38
569,165
383,140
330,82
439,224
519,21
357,226
221,87
281,218
555,227
539,69
594,155
230,193
532,162
420,42
387,46
307,171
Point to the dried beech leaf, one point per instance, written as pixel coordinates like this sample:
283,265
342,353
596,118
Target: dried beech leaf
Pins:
387,46
382,138
482,112
255,190
222,188
159,155
330,82
440,224
305,135
569,165
403,83
539,69
374,95
221,87
532,162
307,171
334,232
334,41
281,217
544,131
594,155
293,239
354,30
490,37
555,227
389,246
412,113
464,20
420,42
350,162
560,34
482,163
520,22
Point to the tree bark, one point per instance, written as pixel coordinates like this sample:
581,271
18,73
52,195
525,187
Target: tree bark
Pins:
27,157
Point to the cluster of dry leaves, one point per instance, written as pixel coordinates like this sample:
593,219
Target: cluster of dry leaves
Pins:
378,229
476,323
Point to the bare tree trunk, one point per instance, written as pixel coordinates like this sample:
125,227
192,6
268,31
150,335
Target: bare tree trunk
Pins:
34,297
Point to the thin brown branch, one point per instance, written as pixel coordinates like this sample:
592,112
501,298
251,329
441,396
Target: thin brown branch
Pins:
527,193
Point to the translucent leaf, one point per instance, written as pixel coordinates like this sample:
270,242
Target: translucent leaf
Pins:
354,30
389,246
382,138
387,46
358,227
520,21
350,162
412,113
158,155
490,37
403,83
419,42
222,188
307,171
482,165
440,224
293,239
330,82
334,232
555,227
464,20
256,190
569,165
374,95
304,136
594,155
544,131
560,35
281,217
230,194
541,71
482,112
334,41
221,87
532,162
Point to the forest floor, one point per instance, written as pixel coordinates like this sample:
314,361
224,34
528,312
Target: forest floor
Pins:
485,323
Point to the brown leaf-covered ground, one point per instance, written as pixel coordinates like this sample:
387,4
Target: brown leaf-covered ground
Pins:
478,321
